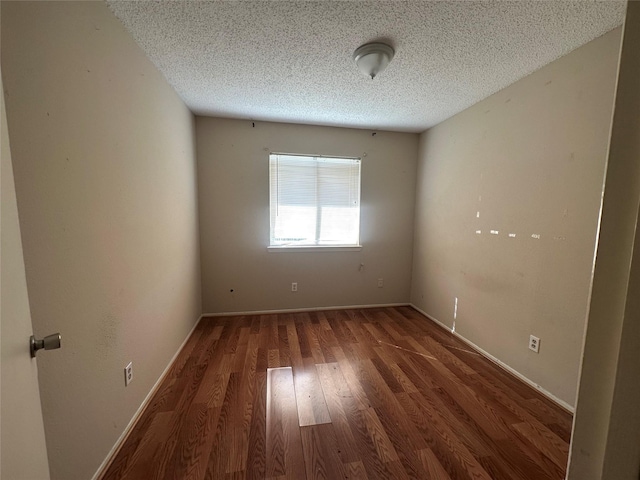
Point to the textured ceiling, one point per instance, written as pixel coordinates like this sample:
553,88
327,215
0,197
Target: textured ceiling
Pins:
290,61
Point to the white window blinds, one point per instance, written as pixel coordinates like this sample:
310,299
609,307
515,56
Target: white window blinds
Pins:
314,200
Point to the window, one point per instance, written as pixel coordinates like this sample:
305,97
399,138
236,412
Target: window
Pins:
314,201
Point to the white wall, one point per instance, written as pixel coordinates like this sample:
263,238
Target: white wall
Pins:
104,164
233,176
528,161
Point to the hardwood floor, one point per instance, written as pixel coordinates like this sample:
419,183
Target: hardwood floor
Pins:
378,393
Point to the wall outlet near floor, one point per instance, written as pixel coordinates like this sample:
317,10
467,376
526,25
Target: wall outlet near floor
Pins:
128,374
294,287
534,343
380,283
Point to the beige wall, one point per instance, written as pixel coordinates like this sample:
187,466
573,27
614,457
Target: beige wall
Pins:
23,453
528,161
606,440
103,154
233,175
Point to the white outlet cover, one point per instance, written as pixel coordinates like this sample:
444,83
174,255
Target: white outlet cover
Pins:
128,374
534,343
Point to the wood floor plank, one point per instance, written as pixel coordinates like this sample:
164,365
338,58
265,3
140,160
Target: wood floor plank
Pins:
294,346
250,367
262,360
452,453
467,401
446,354
213,389
163,454
545,441
402,435
217,462
137,464
381,442
395,424
191,452
235,476
313,335
458,420
321,455
337,322
284,350
273,358
432,465
274,429
253,324
257,459
284,445
335,387
303,339
386,374
402,379
327,340
381,393
355,471
312,406
377,334
240,355
324,323
346,368
239,438
232,338
373,463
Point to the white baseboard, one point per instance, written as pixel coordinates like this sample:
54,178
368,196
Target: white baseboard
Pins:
501,364
120,442
298,310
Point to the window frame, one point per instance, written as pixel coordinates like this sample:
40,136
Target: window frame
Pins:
309,247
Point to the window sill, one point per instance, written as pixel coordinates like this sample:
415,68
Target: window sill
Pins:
314,248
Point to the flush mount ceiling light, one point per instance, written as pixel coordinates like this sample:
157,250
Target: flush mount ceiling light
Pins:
373,58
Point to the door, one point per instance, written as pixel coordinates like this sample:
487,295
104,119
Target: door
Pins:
22,445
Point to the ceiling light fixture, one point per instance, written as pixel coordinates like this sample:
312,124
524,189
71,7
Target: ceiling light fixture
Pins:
373,58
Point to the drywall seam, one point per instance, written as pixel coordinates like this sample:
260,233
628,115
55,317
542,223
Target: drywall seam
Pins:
143,406
299,310
499,363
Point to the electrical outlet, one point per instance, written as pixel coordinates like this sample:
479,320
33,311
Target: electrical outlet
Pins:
534,343
294,287
380,283
128,374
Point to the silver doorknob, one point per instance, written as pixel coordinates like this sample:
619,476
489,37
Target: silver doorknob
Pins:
50,342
